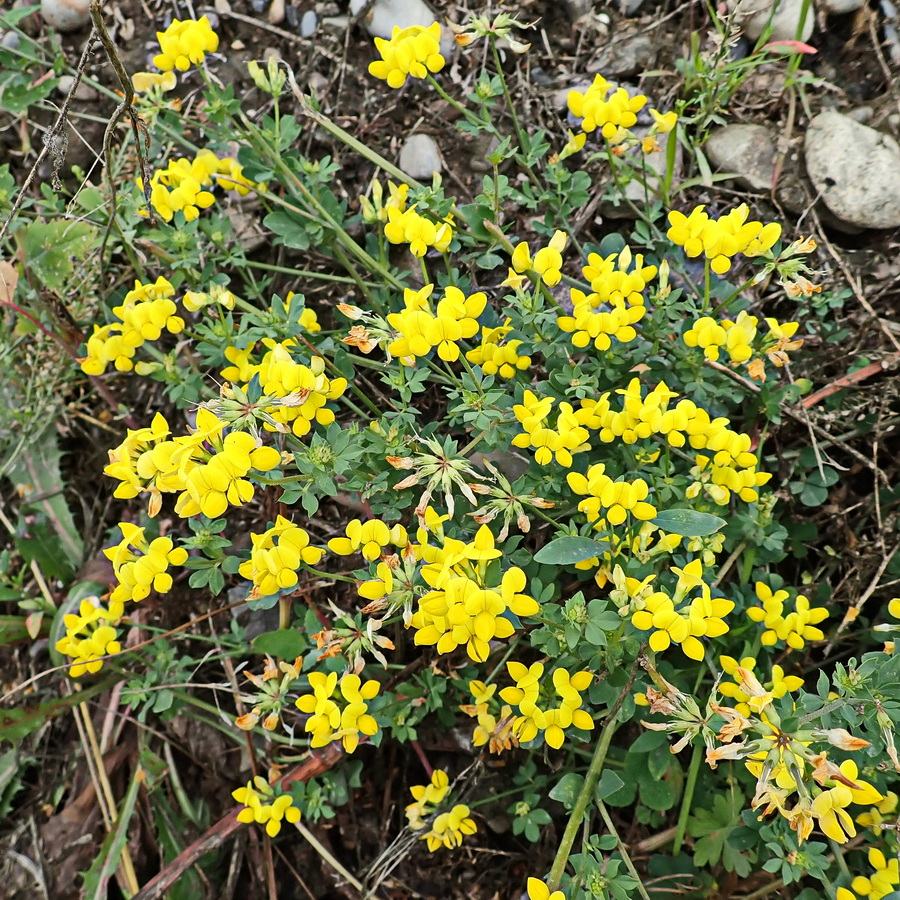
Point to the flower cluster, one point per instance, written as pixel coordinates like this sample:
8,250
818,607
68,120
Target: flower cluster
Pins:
603,106
497,731
496,355
612,500
194,301
208,470
411,52
447,828
779,685
271,698
410,227
702,616
298,392
794,628
426,797
883,881
552,721
546,263
376,209
616,301
90,635
720,240
145,311
462,608
569,435
182,185
185,42
734,337
370,538
420,330
262,806
276,556
331,720
141,566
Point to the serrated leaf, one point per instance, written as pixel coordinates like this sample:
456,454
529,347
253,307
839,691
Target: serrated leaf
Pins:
286,643
568,550
688,522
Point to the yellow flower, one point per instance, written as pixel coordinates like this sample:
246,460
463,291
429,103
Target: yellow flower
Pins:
449,828
547,261
90,635
140,566
721,239
143,82
794,628
372,536
332,721
601,106
411,52
409,227
262,806
184,43
277,555
538,890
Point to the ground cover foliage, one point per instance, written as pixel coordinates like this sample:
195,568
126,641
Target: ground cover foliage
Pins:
467,546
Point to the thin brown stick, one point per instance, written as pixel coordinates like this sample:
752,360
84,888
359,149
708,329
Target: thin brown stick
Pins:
157,887
137,125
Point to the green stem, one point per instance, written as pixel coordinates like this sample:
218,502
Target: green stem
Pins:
285,605
587,789
332,575
520,136
687,799
604,812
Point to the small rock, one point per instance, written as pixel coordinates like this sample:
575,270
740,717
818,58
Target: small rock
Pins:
66,15
861,114
223,7
485,144
309,23
625,57
575,9
631,7
839,7
420,157
855,169
271,53
385,14
784,15
746,150
259,6
275,15
10,41
82,92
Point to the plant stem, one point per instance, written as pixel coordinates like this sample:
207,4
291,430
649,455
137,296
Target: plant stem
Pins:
686,800
587,789
604,812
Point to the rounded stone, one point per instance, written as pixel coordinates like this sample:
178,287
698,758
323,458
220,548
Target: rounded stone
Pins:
839,7
420,157
784,16
66,15
854,169
746,150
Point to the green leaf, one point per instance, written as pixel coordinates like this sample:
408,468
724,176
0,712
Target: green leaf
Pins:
289,229
568,550
97,878
37,474
688,522
566,790
608,784
16,723
286,643
50,248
